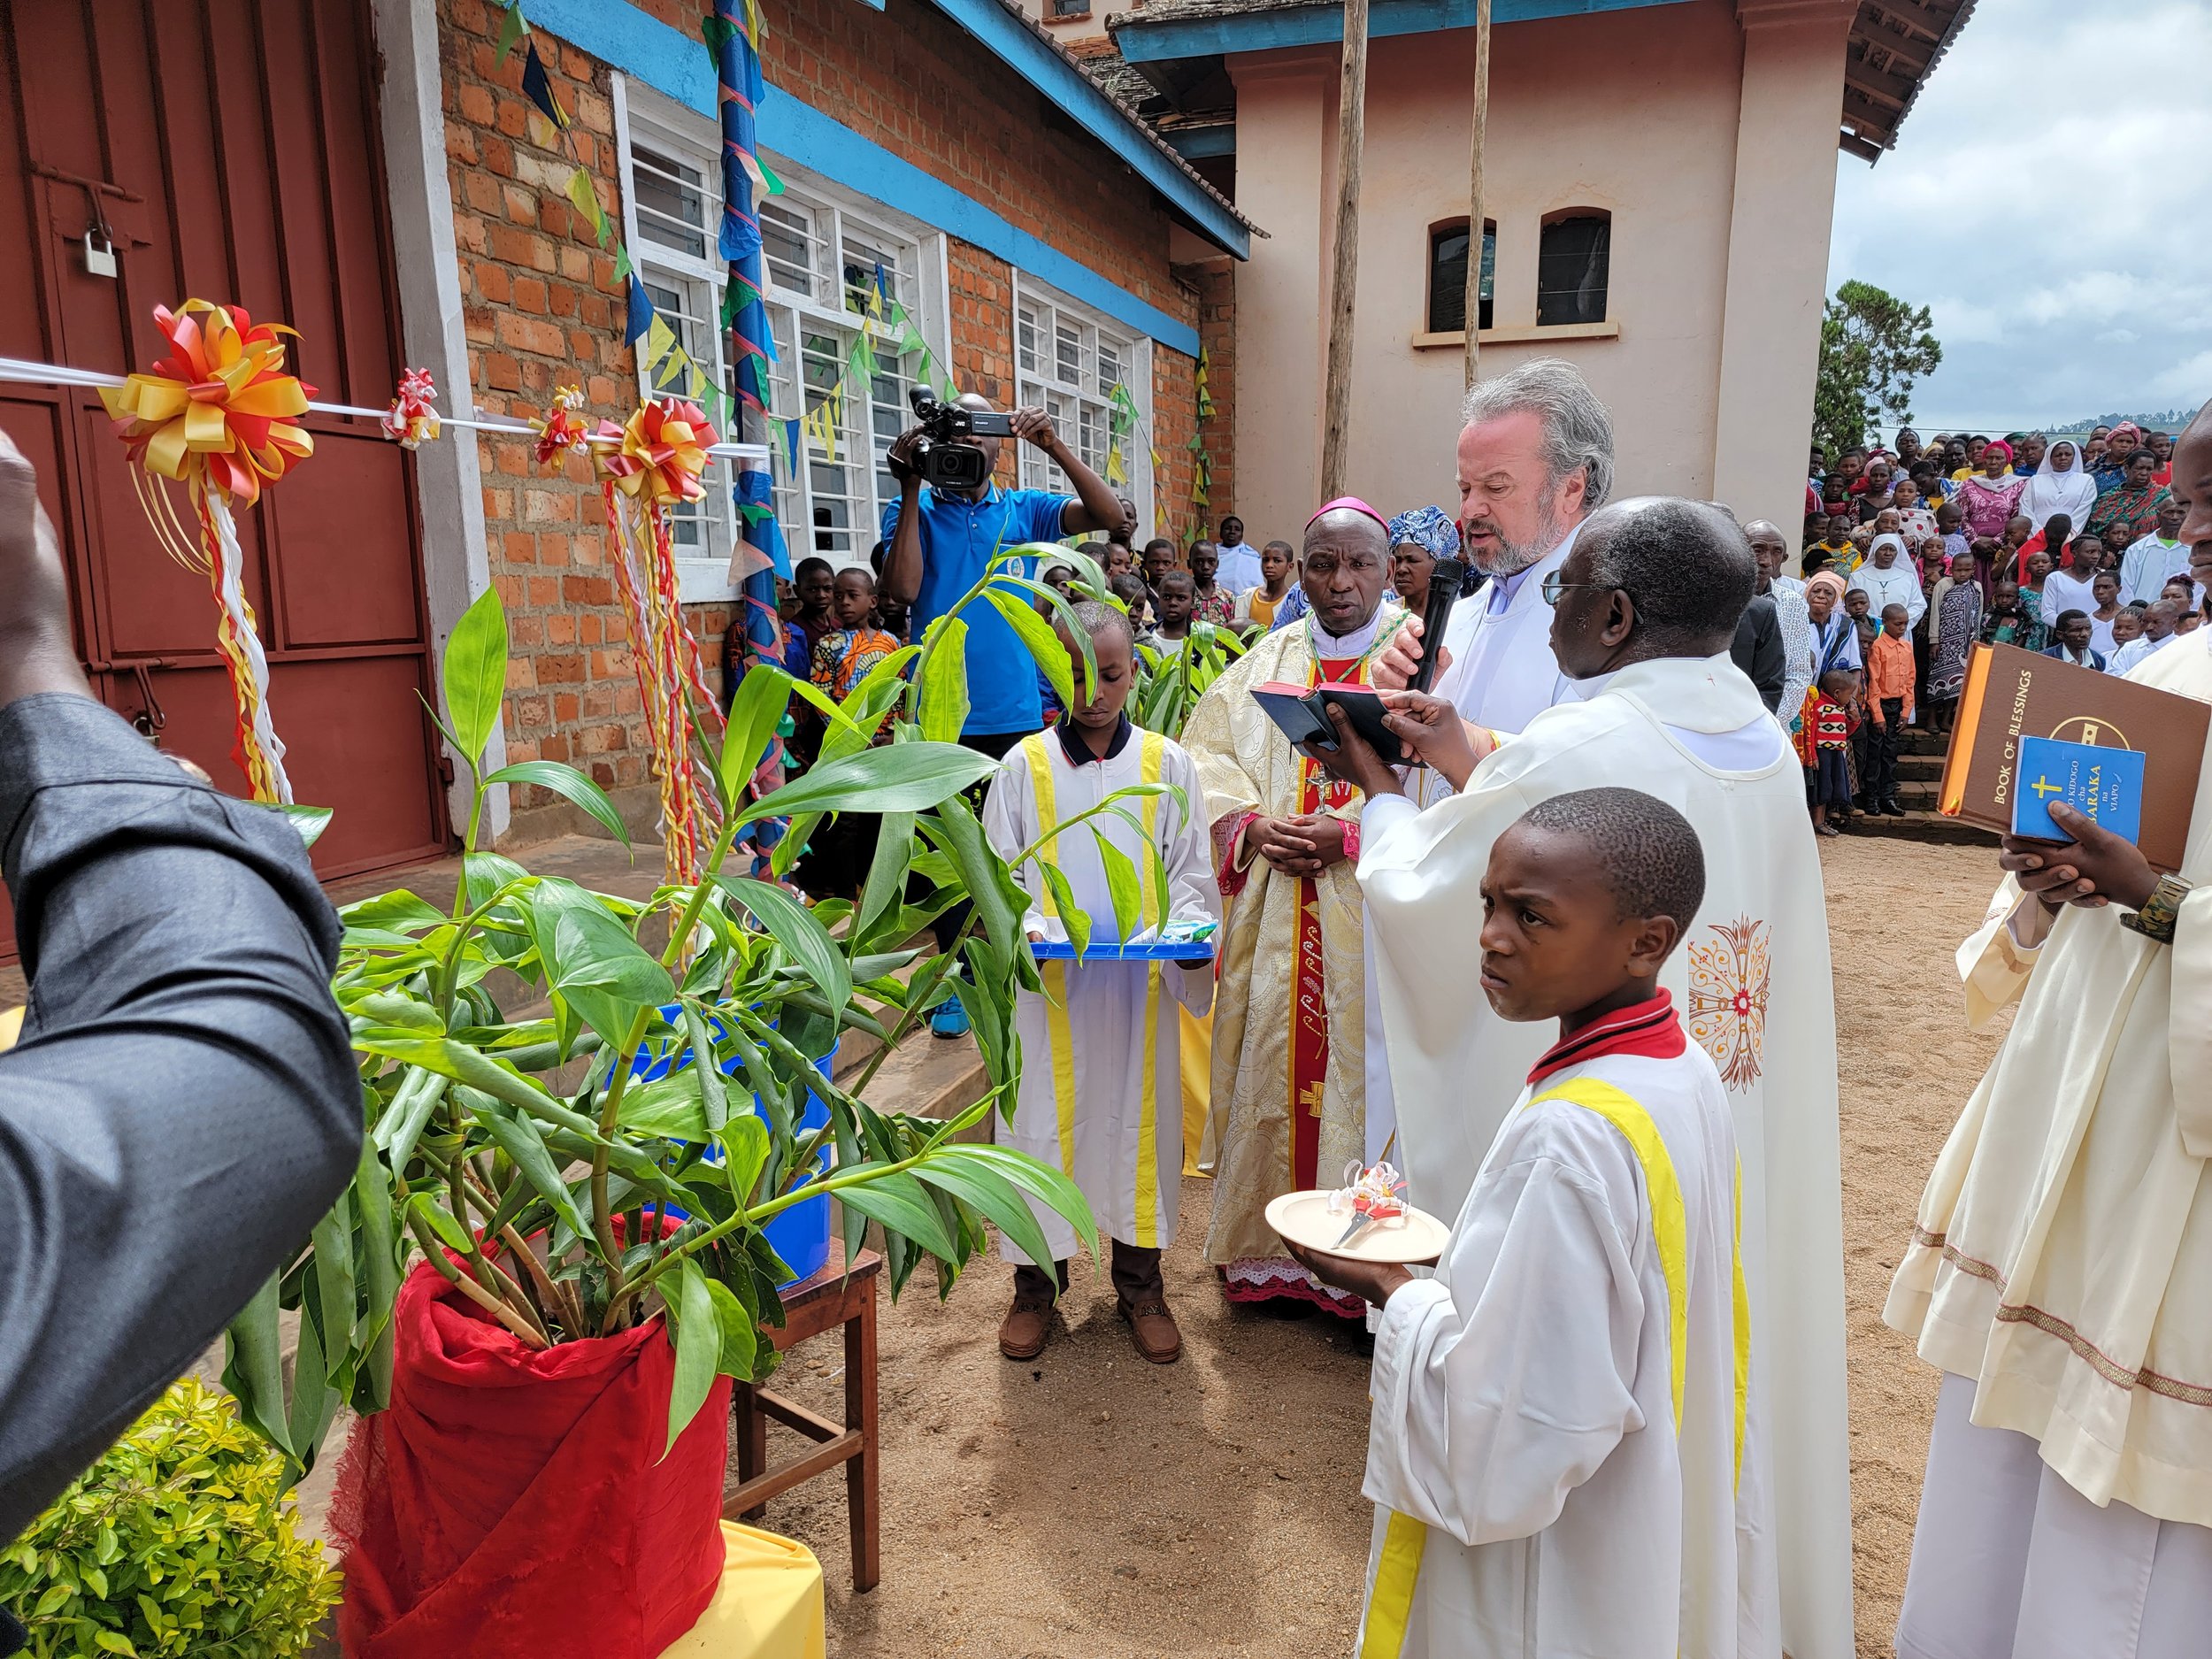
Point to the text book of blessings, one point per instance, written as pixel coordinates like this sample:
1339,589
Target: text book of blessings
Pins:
2011,694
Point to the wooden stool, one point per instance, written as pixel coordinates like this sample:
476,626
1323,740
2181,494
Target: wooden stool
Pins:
830,1298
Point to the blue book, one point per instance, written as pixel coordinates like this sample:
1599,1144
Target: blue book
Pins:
2103,785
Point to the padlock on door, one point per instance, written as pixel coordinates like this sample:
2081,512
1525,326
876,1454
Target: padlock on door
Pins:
99,253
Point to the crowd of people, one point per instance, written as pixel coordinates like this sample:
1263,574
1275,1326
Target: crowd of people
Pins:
2069,548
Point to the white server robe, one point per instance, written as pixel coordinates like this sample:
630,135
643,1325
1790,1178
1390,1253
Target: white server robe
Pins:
1101,1096
1752,979
1566,1453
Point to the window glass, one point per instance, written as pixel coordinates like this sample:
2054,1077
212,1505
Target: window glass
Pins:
787,244
1448,276
825,265
671,201
1572,264
1069,362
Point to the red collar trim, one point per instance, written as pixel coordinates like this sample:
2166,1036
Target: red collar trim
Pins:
1648,1029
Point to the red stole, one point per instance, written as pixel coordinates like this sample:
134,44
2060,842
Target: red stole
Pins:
1319,791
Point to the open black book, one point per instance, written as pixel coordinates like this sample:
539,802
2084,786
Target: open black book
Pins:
1301,714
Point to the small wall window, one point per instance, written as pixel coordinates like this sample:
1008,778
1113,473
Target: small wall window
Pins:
1573,262
1447,274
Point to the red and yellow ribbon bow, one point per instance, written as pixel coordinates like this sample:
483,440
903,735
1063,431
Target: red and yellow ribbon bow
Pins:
661,454
215,414
411,419
562,432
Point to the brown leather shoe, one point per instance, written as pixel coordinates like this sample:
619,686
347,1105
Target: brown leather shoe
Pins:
1152,1328
1027,1324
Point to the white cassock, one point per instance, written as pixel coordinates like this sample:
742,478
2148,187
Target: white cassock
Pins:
1753,981
1101,1097
1561,1410
1503,675
1502,672
2061,1274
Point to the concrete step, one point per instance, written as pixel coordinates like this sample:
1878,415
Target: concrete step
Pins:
1921,825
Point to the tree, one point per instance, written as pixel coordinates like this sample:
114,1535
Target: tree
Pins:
1874,348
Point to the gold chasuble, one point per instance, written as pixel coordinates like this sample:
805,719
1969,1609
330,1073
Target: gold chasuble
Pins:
1288,1097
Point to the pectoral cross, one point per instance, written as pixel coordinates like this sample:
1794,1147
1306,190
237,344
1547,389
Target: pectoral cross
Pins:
2044,786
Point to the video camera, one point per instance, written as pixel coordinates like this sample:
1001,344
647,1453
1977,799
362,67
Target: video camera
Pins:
939,455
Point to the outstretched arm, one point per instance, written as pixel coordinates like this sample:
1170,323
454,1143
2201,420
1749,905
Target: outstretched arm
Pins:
183,1107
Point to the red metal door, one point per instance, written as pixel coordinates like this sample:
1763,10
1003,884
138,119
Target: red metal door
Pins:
228,150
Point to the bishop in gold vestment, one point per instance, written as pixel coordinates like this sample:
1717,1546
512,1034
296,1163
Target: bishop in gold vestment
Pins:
1289,1043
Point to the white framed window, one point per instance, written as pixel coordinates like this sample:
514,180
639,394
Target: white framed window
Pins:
833,261
1068,360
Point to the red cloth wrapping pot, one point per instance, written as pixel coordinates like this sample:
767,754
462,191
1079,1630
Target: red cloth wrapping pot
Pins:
515,1502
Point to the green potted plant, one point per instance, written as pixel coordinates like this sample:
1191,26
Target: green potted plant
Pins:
177,1541
565,1211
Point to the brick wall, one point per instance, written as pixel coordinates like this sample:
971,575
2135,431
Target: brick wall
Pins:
541,311
537,316
1215,283
912,81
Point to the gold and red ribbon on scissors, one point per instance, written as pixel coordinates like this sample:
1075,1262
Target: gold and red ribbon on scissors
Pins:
649,464
216,417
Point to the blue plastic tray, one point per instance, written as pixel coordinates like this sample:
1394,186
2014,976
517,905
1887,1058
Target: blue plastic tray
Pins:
1105,950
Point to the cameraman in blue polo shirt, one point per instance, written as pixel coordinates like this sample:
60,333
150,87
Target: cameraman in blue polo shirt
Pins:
941,542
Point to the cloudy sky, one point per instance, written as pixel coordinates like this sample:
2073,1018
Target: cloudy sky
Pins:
2046,202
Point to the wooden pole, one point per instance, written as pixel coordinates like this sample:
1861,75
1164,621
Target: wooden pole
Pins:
1351,126
1474,187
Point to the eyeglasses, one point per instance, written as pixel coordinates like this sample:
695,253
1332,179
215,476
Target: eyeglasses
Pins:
1553,587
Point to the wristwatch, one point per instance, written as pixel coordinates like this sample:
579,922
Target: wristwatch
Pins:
2156,921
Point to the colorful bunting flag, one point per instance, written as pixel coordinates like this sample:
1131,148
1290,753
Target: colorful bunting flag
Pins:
537,86
640,316
513,26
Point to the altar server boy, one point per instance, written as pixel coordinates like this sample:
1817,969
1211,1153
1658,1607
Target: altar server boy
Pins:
1565,1453
1100,1095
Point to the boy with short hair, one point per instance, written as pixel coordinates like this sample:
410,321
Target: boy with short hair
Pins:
1178,598
854,644
1823,748
1136,600
1100,1095
1564,1452
2104,615
1948,525
1890,673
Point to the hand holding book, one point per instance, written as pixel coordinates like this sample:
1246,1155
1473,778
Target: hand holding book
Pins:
2094,868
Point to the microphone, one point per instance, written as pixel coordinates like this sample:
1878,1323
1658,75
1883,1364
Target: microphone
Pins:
1446,576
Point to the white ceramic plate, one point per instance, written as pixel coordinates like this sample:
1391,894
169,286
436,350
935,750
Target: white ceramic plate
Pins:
1305,1219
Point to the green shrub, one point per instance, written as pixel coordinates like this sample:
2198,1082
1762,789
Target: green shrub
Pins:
177,1541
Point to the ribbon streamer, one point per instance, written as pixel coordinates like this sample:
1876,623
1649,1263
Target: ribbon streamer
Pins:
657,459
214,418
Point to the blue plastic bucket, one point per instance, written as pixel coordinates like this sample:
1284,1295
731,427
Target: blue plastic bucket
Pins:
800,1235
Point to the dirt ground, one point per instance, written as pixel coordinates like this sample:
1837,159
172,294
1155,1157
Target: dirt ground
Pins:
1089,1506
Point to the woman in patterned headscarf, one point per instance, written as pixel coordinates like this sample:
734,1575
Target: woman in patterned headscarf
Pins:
1417,540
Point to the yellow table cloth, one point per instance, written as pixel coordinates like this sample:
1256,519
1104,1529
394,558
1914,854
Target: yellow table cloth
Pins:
770,1604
